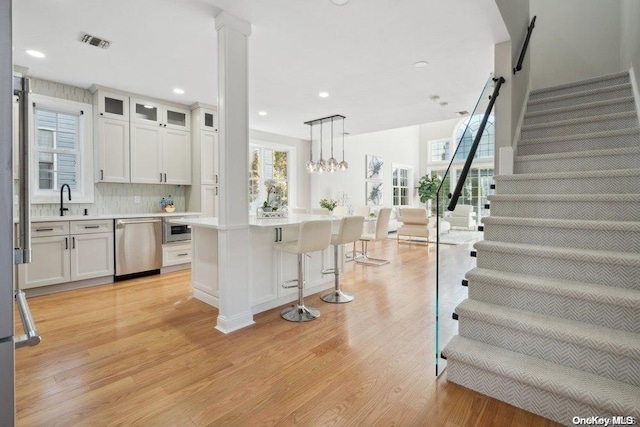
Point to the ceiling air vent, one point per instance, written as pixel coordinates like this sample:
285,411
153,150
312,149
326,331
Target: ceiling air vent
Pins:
462,113
95,41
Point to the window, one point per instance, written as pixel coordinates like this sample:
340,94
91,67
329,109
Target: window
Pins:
466,133
61,150
401,186
440,150
268,176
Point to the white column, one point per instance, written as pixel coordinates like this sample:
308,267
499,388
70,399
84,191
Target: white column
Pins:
233,211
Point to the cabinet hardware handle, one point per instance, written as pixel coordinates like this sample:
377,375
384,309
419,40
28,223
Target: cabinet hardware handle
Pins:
216,191
44,229
102,114
183,254
160,124
276,230
216,178
160,176
165,177
101,174
91,226
73,241
66,243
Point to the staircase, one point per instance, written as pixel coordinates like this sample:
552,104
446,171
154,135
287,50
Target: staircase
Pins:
552,322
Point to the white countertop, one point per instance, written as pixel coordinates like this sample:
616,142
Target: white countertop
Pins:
110,216
291,220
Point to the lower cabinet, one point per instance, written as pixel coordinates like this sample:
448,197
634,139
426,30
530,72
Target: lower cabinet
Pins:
176,253
59,257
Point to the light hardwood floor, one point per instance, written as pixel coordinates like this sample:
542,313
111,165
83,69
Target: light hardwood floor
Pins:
144,352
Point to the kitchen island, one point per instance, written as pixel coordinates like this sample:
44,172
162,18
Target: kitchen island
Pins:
268,267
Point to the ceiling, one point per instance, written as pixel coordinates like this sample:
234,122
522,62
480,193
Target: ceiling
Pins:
361,53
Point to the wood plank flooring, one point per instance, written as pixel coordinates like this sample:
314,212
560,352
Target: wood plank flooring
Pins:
144,352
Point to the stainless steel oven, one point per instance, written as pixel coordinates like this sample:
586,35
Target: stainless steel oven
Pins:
175,232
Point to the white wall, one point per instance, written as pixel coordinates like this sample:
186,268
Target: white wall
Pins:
299,182
394,146
574,40
630,36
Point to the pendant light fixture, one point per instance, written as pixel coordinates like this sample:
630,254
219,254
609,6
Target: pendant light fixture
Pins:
322,165
343,166
310,165
332,164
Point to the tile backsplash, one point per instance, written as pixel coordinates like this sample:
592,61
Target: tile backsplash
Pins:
120,198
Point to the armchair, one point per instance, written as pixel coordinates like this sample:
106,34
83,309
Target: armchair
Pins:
416,223
462,216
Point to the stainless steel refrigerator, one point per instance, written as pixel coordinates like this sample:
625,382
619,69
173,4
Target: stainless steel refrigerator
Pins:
14,249
7,408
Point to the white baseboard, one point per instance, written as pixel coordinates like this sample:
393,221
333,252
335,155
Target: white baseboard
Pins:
516,137
52,289
635,89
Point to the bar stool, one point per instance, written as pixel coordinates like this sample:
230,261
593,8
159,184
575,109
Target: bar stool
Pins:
382,232
349,231
313,236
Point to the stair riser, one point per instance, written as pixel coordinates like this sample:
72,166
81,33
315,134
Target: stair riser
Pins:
579,100
564,306
602,273
592,210
576,164
620,107
603,240
587,359
550,405
580,88
585,144
579,128
616,184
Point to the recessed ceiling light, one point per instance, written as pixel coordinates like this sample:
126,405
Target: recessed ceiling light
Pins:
262,113
435,98
462,113
178,91
339,2
35,53
421,64
323,94
444,104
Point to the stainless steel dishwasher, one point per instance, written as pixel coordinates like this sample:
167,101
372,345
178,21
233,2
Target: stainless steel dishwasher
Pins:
138,247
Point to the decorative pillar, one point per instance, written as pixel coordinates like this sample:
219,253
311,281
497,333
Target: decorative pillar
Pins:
233,211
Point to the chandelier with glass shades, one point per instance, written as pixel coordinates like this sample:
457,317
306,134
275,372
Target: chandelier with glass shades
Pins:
332,164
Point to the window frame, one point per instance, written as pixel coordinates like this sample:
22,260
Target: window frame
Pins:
410,190
84,192
291,170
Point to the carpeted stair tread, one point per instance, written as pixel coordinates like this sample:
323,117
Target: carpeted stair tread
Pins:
568,288
609,340
630,226
586,106
584,82
568,175
577,137
572,154
609,395
631,198
597,91
582,255
581,120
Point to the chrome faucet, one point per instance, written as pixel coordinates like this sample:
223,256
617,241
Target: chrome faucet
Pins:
62,208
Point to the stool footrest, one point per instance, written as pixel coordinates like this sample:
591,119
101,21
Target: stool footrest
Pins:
328,271
286,284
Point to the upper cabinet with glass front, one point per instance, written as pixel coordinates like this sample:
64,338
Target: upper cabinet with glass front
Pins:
113,105
165,116
208,119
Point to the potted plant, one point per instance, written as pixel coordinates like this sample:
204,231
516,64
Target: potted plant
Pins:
329,204
427,188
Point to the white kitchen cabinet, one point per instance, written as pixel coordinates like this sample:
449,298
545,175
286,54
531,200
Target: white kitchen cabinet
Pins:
176,253
112,105
146,154
91,256
160,144
50,263
16,138
60,257
202,196
113,150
